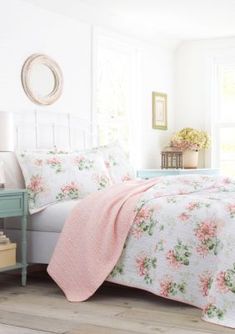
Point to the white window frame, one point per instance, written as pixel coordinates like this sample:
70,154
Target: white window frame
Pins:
117,41
216,123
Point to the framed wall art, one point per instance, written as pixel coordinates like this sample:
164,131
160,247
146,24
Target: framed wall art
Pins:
159,111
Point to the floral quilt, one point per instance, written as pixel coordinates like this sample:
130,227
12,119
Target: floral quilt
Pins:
182,245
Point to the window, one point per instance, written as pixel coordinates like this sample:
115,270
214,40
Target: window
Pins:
224,118
116,114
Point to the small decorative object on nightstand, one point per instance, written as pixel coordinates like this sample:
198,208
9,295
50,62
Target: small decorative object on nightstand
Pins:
14,203
171,157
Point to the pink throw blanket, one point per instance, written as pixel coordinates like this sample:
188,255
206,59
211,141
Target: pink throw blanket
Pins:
93,237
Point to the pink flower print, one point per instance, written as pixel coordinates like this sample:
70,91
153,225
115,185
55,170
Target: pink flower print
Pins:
143,223
141,264
55,163
36,184
126,178
34,188
192,206
139,223
205,281
221,282
69,187
206,230
172,259
169,287
165,286
184,217
143,214
144,264
38,162
69,191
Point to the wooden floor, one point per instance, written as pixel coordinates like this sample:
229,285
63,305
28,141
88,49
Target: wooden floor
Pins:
41,308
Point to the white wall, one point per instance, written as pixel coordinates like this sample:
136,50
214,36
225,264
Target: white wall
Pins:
194,68
26,29
158,75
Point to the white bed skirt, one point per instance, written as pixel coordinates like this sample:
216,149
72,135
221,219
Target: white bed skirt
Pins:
40,244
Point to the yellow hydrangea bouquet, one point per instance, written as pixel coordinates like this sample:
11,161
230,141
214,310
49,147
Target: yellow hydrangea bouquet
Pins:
190,139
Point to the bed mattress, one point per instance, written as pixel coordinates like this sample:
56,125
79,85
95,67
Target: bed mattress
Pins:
51,219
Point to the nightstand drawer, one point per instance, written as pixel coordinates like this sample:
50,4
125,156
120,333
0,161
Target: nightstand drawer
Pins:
14,203
11,205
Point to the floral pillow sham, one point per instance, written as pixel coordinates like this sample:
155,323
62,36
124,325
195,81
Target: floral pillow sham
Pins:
117,162
53,176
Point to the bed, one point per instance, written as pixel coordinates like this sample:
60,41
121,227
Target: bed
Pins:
173,236
175,225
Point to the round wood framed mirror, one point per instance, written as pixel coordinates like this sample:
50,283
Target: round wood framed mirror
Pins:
42,79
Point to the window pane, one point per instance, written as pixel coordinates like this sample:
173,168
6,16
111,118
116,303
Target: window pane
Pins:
113,95
224,119
227,168
227,94
227,151
227,143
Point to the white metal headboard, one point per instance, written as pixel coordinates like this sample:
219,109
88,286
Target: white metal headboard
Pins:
44,130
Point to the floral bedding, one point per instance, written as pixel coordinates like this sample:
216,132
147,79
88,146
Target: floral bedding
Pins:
56,176
182,244
117,162
53,176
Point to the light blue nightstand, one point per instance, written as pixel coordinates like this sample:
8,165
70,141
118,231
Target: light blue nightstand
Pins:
14,203
150,173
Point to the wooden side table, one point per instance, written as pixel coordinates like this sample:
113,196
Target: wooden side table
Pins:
14,203
150,173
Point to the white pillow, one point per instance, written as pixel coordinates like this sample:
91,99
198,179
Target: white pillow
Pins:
52,177
117,162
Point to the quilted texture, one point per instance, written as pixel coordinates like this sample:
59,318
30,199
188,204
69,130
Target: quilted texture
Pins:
53,176
177,240
117,162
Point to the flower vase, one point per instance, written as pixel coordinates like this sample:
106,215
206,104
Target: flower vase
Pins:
190,159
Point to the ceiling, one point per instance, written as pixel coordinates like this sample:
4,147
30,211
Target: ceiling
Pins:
153,20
